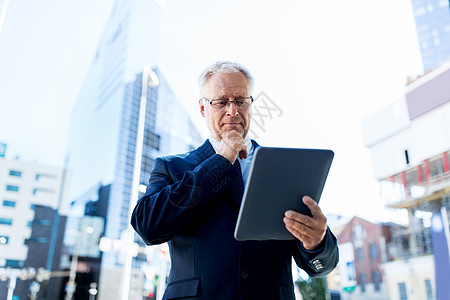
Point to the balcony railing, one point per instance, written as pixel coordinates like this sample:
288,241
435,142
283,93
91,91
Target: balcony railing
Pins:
394,192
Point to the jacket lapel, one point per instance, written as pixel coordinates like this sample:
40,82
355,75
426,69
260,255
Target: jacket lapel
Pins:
206,150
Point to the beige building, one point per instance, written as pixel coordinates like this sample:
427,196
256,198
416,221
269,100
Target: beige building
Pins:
413,277
409,141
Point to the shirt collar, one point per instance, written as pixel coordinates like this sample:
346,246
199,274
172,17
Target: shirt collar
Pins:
216,144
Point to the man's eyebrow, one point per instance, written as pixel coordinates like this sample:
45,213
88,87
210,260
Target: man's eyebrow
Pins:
223,96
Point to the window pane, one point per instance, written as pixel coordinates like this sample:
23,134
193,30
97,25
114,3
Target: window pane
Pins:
429,289
14,263
42,190
373,251
5,221
362,282
39,240
9,203
359,254
44,175
377,280
402,291
12,188
15,173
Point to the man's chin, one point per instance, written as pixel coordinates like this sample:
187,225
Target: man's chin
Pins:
238,129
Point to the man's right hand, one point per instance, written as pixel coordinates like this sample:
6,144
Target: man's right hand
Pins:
232,145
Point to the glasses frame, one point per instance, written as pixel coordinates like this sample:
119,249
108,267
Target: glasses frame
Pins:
228,102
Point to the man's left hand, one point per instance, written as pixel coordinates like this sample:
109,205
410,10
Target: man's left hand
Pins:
309,230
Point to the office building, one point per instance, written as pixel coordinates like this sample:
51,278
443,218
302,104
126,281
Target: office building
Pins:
103,130
30,197
410,146
432,20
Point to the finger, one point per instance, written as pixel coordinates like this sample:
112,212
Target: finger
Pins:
308,238
313,207
295,233
306,225
298,217
243,153
308,242
299,228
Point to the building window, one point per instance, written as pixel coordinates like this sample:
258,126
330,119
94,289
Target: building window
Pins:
40,190
362,282
39,240
44,175
4,239
359,254
402,291
12,188
429,289
15,173
351,271
14,263
5,221
373,251
377,281
9,203
43,222
152,139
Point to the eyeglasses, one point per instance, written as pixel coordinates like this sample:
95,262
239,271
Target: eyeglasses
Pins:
240,102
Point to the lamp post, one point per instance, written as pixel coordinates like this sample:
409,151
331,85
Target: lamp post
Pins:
71,284
149,78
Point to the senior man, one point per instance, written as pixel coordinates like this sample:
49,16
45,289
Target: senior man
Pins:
192,202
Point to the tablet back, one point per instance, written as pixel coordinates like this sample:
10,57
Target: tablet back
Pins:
278,179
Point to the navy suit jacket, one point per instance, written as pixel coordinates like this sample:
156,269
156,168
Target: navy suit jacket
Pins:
188,205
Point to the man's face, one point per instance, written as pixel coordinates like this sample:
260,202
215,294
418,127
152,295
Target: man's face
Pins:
219,121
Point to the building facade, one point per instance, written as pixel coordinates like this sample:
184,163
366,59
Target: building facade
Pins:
410,146
432,20
31,195
103,136
363,247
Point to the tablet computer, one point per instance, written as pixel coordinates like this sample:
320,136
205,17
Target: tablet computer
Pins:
278,179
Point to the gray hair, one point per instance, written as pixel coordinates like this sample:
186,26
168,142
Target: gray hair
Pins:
224,67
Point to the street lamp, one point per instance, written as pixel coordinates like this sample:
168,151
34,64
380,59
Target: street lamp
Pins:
71,284
149,78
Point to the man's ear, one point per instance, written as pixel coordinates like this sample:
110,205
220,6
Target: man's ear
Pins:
201,104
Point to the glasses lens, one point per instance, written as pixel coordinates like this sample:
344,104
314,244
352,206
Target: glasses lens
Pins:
219,103
241,103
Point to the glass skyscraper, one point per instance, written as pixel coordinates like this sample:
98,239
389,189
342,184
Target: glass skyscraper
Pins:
102,137
433,30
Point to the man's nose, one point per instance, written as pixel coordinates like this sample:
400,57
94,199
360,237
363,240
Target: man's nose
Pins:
232,109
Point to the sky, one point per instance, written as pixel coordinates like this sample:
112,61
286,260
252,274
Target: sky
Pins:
327,65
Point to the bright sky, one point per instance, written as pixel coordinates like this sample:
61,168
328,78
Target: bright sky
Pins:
326,64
